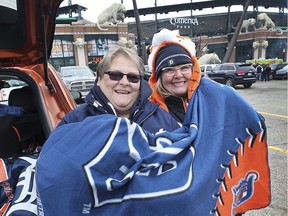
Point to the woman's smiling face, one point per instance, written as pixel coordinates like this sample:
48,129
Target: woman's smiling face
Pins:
176,84
122,94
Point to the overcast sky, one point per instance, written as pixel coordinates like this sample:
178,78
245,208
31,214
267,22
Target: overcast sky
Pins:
94,8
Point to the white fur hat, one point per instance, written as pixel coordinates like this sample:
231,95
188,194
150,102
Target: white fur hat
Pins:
166,36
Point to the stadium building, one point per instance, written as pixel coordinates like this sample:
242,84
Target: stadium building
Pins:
80,42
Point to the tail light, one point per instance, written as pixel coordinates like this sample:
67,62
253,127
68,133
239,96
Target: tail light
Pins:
240,73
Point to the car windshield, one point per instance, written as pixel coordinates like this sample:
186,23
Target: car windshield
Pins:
273,66
280,66
76,72
14,83
246,66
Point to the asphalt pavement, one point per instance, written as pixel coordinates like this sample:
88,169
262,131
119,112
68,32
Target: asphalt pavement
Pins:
270,99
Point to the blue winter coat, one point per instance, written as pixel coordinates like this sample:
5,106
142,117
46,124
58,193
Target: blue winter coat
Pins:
149,116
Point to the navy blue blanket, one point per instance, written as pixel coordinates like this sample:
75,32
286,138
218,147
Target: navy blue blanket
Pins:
216,164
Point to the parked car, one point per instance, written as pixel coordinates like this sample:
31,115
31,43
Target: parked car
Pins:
233,74
78,78
10,84
207,67
147,72
276,67
273,71
282,73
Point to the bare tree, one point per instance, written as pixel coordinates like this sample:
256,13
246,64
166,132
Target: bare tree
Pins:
231,44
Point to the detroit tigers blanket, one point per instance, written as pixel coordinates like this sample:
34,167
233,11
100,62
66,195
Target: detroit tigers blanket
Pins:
17,186
216,164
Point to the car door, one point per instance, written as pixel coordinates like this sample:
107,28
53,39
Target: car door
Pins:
218,74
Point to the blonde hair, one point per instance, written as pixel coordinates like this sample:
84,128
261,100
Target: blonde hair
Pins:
160,88
116,51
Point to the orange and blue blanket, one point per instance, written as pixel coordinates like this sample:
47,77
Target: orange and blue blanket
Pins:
215,164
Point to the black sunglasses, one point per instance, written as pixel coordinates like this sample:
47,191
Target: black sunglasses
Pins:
117,76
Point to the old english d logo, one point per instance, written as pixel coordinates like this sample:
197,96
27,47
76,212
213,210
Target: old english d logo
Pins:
126,183
170,62
244,188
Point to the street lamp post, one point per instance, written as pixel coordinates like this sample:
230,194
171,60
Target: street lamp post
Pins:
141,45
156,20
191,22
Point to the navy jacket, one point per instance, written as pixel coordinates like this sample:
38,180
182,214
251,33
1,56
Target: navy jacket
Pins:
148,115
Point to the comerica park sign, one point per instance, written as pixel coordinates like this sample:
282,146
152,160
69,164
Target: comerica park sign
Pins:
179,22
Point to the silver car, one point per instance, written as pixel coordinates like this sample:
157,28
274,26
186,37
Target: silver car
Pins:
78,78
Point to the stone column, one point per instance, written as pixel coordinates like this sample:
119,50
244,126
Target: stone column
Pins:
255,49
80,45
263,45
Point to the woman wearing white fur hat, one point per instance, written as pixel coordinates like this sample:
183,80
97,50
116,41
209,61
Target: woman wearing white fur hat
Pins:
215,110
175,72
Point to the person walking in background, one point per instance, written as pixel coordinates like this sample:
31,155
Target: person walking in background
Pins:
259,70
268,72
264,74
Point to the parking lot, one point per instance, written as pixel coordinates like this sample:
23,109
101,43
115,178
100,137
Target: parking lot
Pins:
270,99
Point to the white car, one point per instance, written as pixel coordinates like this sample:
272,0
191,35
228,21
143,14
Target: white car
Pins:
8,87
207,67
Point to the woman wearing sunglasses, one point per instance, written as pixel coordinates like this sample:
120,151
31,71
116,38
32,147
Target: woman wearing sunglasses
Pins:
121,90
175,72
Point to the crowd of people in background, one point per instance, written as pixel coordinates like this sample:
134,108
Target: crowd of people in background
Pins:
263,72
